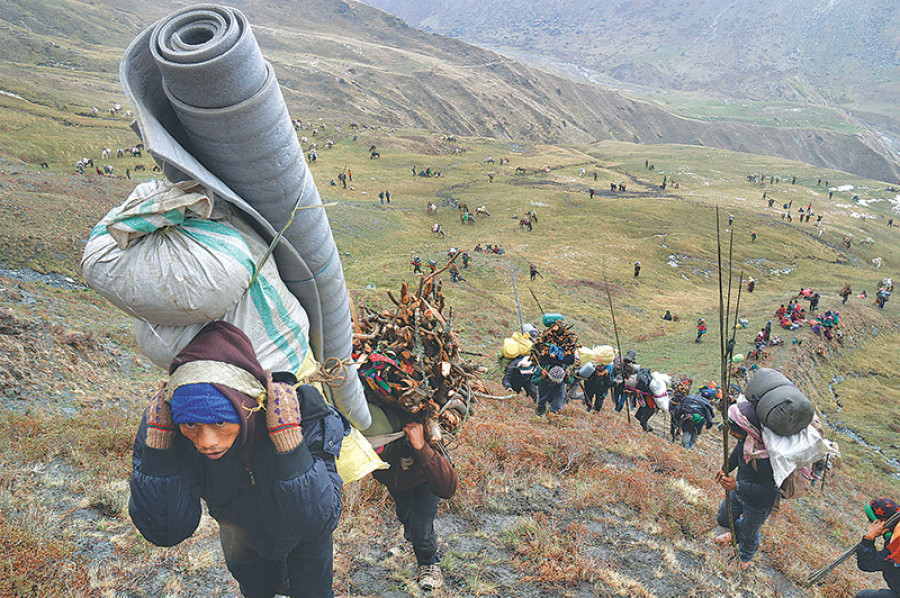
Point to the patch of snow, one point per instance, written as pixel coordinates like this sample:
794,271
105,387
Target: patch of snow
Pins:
782,271
841,188
10,94
539,204
868,202
673,261
863,216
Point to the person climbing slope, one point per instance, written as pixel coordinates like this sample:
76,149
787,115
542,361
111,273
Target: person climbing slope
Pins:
887,560
752,492
259,452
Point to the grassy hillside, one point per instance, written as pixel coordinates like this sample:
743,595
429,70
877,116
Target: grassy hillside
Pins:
574,506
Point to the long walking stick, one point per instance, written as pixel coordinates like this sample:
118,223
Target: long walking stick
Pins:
729,343
512,271
821,573
536,301
724,401
619,349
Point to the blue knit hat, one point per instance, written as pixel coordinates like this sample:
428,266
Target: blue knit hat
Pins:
202,403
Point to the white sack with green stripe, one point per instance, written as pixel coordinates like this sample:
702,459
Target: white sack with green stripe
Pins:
268,314
175,261
158,258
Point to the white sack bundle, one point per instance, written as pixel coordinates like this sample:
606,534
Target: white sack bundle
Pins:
270,316
157,258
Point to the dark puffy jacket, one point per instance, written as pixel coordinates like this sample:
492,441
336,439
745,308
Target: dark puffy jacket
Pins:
869,559
756,482
692,404
599,383
281,500
514,379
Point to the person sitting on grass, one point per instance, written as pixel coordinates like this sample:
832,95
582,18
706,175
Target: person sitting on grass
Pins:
260,453
887,560
752,493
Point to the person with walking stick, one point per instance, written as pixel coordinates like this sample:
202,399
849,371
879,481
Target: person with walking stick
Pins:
886,560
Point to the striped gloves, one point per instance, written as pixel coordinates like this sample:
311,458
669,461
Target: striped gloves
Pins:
160,427
283,416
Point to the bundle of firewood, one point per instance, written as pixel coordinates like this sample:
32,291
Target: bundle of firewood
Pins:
410,357
558,341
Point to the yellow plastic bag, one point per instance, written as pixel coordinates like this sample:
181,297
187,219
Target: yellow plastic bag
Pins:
585,354
524,342
518,344
357,459
604,354
510,348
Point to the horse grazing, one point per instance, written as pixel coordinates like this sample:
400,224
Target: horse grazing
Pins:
462,206
139,167
520,170
374,155
482,211
525,223
44,164
431,208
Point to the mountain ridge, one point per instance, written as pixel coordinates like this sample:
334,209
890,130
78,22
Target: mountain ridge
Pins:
337,58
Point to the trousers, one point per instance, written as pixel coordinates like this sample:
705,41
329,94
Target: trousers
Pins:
747,522
416,509
307,572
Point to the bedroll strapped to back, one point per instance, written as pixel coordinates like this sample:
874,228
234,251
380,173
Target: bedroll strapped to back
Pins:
780,406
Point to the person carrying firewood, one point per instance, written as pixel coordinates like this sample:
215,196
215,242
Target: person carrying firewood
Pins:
550,380
259,451
419,476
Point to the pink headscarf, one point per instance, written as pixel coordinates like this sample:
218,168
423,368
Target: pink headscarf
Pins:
741,414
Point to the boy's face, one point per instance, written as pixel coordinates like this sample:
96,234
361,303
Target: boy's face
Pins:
211,440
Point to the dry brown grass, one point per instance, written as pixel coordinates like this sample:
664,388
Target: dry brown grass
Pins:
38,566
551,556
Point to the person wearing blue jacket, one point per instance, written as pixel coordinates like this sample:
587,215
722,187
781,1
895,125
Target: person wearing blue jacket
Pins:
259,452
868,558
